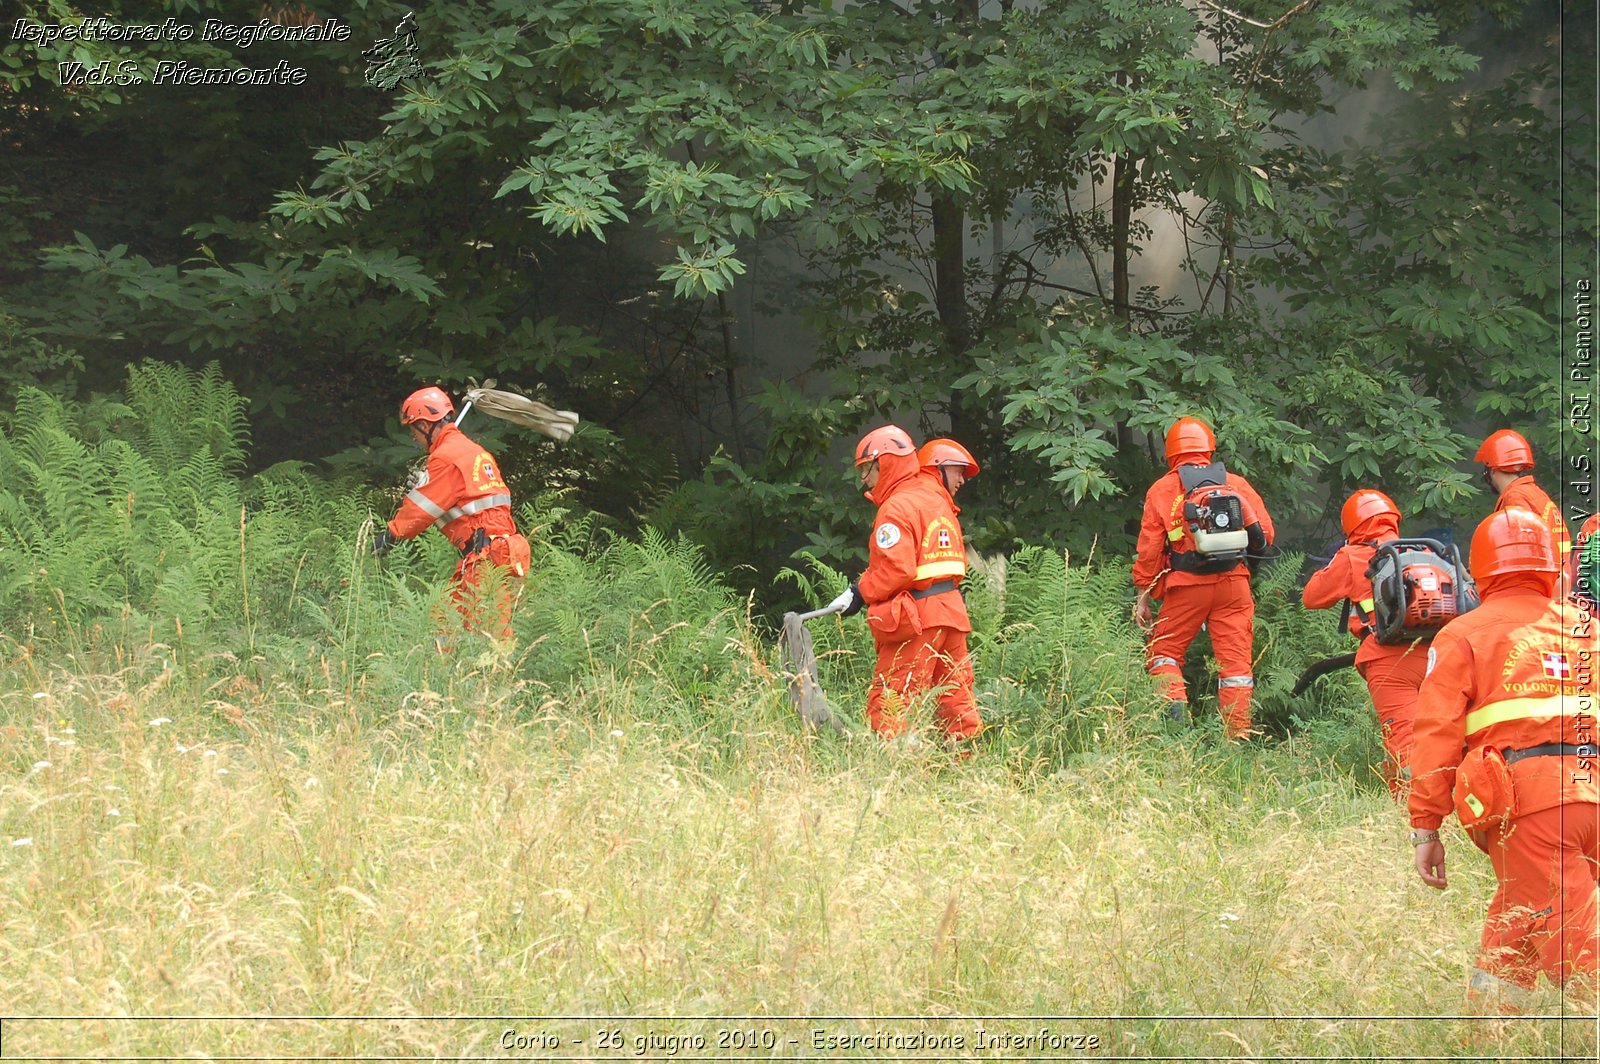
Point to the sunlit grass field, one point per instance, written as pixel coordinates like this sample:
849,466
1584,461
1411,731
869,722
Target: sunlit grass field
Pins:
248,812
488,847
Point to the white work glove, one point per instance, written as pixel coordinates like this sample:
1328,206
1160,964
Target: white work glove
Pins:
848,604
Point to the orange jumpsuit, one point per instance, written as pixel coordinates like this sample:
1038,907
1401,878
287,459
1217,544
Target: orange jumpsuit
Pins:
1518,673
915,564
1527,495
1392,673
1222,601
462,488
1590,527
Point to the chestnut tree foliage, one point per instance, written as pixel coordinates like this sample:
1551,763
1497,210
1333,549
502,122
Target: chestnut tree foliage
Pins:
1046,228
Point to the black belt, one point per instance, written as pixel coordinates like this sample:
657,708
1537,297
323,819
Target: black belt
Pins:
479,541
1553,750
938,587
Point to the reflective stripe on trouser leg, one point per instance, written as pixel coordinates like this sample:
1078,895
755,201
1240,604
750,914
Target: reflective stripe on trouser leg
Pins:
1232,622
1170,672
1233,699
1182,613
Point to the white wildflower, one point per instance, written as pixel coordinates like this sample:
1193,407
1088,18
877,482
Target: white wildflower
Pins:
26,840
40,766
159,721
113,812
38,695
616,733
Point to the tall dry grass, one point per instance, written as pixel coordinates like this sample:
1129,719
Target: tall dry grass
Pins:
491,848
236,781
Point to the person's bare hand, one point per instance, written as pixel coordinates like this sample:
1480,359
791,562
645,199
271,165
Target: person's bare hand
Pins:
1430,863
1144,614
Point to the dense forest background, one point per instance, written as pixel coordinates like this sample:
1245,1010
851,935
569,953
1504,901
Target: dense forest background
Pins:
733,235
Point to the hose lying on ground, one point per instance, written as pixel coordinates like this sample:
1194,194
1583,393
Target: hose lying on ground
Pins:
1318,669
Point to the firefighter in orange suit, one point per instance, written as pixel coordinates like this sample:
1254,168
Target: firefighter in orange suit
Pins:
1165,571
1583,588
1508,471
912,590
952,463
463,492
1505,736
1392,673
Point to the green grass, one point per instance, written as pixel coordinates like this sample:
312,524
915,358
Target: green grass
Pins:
492,847
236,780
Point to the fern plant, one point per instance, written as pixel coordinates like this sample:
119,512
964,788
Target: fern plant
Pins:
133,514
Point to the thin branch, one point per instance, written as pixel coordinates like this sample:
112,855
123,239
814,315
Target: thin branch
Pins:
1278,24
1237,16
1261,52
1077,238
1034,277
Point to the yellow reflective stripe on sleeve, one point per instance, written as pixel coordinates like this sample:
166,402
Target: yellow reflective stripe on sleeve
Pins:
1367,604
934,570
1174,534
1549,707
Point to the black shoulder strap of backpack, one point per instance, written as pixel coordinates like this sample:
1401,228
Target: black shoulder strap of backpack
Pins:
1378,552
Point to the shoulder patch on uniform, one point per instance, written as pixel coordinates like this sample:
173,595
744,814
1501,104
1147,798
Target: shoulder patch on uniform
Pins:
484,471
887,535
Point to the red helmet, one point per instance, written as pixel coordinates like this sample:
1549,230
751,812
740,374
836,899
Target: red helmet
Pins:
887,439
944,452
1506,451
1512,541
426,404
1189,435
1369,512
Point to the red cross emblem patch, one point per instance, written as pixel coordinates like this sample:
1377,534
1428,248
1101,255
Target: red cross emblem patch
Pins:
1555,665
944,538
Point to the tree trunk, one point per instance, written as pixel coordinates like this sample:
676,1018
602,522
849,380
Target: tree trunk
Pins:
1123,174
950,269
729,377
